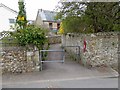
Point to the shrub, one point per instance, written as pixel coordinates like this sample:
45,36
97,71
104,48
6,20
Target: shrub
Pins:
31,35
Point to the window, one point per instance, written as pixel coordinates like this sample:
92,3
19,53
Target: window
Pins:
50,25
11,20
58,26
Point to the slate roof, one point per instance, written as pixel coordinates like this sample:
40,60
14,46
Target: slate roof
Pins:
47,15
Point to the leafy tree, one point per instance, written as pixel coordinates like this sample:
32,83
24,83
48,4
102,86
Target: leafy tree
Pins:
70,14
102,16
72,24
21,18
68,9
89,16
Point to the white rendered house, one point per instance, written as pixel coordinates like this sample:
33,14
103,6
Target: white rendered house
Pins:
7,18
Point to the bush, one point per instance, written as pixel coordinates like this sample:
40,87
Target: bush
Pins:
31,35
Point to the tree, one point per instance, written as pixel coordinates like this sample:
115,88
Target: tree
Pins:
68,9
102,16
28,34
21,18
90,16
70,14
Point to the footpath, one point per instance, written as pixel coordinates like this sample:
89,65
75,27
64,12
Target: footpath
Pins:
58,71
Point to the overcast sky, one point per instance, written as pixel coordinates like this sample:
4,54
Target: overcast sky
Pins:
32,6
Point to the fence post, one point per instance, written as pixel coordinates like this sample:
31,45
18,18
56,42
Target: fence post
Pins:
40,68
63,54
79,53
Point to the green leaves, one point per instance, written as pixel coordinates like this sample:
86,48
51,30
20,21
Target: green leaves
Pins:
72,24
31,35
21,18
102,15
90,17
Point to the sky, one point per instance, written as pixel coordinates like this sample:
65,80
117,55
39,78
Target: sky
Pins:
32,6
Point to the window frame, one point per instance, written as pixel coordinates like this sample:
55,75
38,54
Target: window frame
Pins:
11,21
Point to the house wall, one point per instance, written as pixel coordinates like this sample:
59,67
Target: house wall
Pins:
46,25
38,21
6,14
54,25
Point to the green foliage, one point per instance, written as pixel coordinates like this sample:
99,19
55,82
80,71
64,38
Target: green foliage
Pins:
9,41
21,18
31,35
89,17
103,17
72,24
27,35
70,9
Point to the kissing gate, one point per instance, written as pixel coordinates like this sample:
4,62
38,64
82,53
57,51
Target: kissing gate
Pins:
62,54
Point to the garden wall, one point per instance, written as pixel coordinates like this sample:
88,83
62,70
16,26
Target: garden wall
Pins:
101,48
16,59
54,39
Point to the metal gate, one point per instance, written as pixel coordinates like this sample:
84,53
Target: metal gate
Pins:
62,60
63,53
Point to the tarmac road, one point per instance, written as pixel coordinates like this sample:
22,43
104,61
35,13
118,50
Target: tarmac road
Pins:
68,83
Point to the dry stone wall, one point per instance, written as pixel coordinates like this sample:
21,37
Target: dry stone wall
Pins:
101,48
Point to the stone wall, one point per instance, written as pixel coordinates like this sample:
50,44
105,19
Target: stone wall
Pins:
54,39
18,60
101,48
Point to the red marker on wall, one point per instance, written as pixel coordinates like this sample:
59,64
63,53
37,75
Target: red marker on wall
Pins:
84,47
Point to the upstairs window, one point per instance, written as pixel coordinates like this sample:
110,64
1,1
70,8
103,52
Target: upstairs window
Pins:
11,21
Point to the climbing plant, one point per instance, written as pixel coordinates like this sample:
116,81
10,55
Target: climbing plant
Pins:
21,18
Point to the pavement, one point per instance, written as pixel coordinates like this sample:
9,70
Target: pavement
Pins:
69,72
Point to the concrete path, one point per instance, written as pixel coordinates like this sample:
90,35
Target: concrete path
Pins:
69,70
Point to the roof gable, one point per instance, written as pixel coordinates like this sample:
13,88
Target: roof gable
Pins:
2,5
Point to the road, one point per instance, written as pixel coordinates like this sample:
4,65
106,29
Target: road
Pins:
68,83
